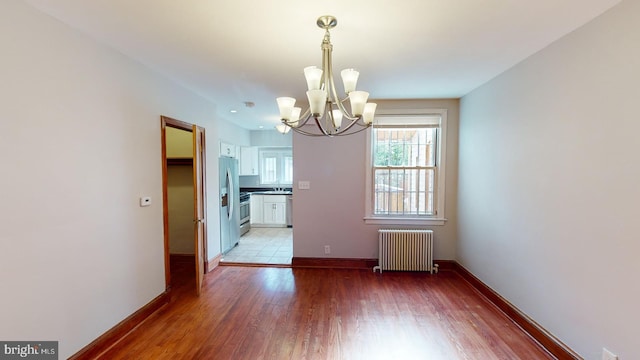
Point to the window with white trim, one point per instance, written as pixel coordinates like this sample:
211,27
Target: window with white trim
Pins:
276,166
405,179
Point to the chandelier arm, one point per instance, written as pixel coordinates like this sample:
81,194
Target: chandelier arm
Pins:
324,131
306,113
327,73
332,96
302,120
307,133
344,110
340,133
353,122
328,114
344,133
296,123
332,93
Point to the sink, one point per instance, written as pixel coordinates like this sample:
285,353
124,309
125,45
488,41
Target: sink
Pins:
275,192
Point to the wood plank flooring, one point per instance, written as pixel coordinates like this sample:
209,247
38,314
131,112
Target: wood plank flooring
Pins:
283,313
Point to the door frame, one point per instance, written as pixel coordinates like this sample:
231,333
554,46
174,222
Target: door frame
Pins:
199,209
165,122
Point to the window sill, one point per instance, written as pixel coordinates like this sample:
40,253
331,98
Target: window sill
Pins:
372,220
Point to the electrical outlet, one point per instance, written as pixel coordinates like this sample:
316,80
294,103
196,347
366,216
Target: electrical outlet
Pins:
327,249
608,355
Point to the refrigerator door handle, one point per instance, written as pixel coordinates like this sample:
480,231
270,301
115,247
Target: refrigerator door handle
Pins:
231,195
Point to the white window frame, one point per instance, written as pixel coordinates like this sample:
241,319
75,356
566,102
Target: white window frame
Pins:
280,154
408,116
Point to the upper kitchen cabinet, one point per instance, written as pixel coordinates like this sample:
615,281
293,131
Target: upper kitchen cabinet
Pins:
249,164
228,150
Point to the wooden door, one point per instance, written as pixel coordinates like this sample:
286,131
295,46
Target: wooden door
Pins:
199,215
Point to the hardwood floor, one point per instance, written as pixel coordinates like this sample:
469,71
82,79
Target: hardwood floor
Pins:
283,313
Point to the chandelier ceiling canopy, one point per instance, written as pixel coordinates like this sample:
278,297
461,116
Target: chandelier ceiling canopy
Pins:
327,110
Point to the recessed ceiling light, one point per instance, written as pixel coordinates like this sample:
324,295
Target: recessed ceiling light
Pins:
260,127
233,111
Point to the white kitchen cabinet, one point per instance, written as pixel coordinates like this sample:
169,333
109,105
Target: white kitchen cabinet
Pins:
268,210
256,204
249,160
275,213
228,150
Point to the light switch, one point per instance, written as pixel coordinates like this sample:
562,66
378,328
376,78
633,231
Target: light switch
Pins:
145,201
304,185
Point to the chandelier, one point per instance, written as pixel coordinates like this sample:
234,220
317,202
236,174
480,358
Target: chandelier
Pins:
325,107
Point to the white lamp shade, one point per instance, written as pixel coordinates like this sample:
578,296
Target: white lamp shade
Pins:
369,112
358,99
295,117
313,76
285,105
349,79
282,128
317,101
337,118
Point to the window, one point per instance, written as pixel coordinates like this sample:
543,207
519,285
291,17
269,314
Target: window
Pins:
276,166
405,180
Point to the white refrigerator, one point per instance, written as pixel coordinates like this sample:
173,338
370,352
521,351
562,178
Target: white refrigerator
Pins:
229,204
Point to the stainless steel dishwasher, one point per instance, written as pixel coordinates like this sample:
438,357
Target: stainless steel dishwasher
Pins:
290,210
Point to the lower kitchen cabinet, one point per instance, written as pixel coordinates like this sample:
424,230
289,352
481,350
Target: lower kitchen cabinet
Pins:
268,210
275,213
256,205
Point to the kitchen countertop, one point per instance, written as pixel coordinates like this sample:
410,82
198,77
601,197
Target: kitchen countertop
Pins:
272,192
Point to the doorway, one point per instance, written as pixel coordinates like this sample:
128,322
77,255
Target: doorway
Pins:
184,199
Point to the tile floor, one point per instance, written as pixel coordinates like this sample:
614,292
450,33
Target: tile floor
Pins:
263,246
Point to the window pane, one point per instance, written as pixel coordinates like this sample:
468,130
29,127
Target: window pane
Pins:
404,147
404,170
404,191
276,167
269,170
288,170
405,176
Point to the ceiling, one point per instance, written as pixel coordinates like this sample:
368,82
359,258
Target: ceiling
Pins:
233,52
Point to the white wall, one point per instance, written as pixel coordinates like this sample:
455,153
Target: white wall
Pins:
270,138
332,211
548,188
231,134
80,143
